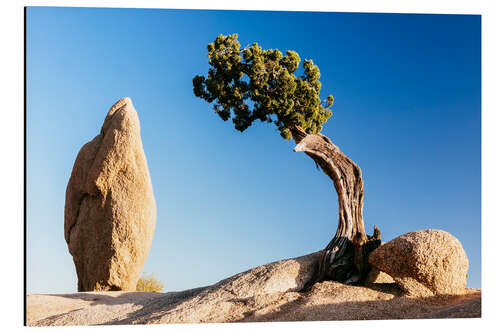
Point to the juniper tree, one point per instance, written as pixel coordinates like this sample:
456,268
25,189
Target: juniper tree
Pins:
248,84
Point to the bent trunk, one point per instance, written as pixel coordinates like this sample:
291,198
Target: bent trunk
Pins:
345,258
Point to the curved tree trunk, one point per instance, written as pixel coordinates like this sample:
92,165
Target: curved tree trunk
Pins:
345,258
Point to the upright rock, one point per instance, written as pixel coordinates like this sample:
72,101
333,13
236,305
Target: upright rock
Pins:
424,263
110,210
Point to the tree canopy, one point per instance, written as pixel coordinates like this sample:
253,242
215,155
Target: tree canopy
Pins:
251,83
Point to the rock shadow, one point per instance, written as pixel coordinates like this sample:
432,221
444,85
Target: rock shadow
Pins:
106,298
162,303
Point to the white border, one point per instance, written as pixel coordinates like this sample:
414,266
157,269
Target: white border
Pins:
11,18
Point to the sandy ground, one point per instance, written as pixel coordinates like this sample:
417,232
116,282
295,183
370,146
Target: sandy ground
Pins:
326,301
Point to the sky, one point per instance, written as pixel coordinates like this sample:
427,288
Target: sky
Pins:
407,110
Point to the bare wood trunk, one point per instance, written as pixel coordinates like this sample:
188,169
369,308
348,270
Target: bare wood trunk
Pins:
345,258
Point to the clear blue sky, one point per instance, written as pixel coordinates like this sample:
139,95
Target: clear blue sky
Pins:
407,110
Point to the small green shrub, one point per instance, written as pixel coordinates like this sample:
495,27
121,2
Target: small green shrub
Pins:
149,283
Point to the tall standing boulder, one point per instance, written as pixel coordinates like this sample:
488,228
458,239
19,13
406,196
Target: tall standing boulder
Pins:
110,210
424,263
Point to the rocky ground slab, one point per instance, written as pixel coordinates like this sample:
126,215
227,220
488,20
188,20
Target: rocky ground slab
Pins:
266,293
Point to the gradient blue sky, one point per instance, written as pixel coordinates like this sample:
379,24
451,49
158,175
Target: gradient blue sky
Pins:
407,109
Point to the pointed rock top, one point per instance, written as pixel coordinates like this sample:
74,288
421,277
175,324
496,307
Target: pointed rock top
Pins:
121,103
124,104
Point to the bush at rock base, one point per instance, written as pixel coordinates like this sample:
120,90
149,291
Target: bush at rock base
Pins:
149,283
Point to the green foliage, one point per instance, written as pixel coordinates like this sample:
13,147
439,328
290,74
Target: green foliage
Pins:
149,283
252,83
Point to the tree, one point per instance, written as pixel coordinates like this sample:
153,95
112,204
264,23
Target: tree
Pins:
251,83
